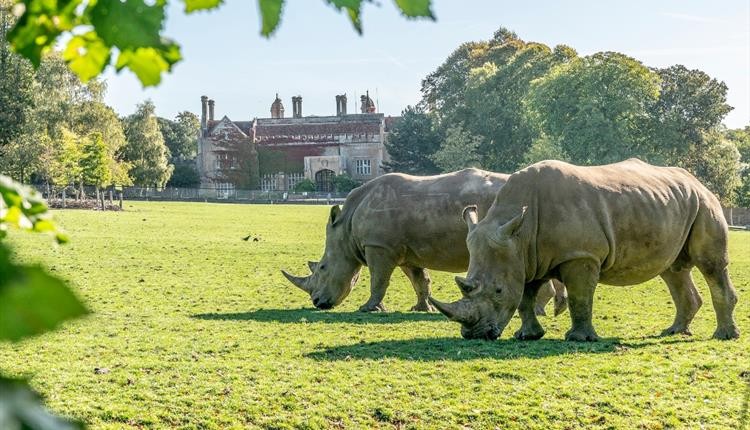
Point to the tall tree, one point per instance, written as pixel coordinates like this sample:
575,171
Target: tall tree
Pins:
16,80
596,107
458,151
96,118
145,149
95,165
411,142
717,164
690,104
482,87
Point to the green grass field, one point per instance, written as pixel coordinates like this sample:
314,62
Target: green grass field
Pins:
197,328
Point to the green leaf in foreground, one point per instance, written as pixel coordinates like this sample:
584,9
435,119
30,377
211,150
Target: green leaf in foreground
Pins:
352,8
415,8
87,55
129,24
22,408
198,5
32,302
23,207
40,25
270,15
149,63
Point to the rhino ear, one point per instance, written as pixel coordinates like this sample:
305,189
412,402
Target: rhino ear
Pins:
512,227
335,212
470,216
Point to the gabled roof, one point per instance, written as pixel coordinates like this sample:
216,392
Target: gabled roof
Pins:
223,124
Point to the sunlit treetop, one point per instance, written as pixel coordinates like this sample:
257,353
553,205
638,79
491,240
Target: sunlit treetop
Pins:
128,33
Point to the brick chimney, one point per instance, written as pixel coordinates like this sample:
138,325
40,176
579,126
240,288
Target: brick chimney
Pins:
297,107
341,105
204,108
210,110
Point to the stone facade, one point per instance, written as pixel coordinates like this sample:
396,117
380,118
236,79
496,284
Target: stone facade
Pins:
278,152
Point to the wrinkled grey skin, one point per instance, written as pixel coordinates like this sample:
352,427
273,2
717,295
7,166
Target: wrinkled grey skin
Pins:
404,221
619,224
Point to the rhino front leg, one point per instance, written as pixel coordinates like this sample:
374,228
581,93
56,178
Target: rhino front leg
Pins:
530,329
420,280
381,265
580,277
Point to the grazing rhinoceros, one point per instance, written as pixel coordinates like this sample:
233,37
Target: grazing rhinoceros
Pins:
619,224
407,221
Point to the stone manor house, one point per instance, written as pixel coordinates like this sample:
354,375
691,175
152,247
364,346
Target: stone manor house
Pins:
274,154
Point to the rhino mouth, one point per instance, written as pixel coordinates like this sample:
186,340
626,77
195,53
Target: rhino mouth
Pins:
493,333
322,304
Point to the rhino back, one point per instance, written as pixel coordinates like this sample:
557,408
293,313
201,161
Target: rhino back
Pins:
418,218
632,217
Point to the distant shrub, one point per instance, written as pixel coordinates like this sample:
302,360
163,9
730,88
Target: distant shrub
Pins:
304,186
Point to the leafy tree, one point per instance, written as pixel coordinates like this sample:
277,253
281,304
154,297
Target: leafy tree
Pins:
459,150
482,87
741,139
95,162
65,168
717,165
542,149
96,31
690,104
181,135
596,107
95,117
145,149
16,80
411,142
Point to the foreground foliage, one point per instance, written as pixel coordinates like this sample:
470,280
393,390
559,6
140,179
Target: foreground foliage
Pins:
129,34
32,302
194,327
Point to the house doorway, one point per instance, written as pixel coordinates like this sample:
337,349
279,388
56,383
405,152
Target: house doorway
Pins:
324,181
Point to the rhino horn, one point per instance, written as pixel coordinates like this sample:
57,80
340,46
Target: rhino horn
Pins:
470,216
313,265
297,281
453,311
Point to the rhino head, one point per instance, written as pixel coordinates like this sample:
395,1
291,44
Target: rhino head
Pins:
493,287
336,273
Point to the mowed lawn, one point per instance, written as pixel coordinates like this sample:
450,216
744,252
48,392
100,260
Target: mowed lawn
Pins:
193,327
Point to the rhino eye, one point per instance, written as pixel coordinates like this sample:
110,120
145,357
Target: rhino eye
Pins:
322,267
499,290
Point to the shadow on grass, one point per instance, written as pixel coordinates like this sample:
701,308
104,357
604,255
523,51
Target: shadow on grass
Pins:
457,349
315,316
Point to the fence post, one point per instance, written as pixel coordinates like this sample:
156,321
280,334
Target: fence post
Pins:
120,199
101,195
63,198
111,202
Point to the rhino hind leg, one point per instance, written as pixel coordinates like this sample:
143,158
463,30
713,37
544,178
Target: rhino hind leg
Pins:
580,277
724,299
530,329
707,246
381,266
686,299
420,280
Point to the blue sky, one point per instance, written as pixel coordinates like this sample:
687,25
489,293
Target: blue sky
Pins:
316,54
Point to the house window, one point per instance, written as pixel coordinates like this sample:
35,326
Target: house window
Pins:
363,167
224,190
225,161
